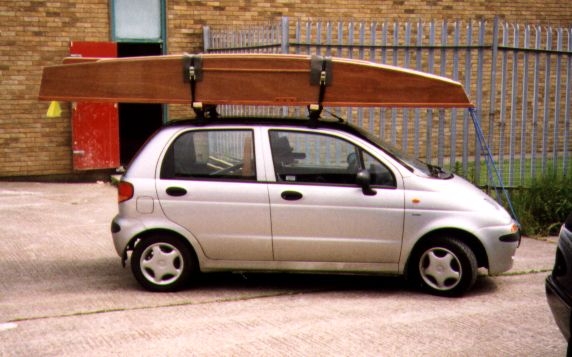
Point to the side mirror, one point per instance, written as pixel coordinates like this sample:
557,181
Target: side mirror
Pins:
363,179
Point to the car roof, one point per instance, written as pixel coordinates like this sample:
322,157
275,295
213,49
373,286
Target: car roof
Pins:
334,124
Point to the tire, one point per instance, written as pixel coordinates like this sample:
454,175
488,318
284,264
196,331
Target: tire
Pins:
162,263
444,266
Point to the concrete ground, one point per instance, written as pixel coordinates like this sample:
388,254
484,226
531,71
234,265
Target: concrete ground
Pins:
63,292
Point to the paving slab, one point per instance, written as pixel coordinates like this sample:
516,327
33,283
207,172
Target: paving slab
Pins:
63,292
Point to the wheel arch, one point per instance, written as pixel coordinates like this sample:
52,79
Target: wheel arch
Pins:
469,239
157,231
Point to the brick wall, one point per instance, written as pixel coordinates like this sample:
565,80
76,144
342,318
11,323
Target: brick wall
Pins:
36,33
186,17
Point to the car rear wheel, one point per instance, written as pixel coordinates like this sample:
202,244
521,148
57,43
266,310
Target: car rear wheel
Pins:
444,266
162,263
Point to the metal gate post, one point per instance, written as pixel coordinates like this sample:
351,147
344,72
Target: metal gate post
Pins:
285,41
206,39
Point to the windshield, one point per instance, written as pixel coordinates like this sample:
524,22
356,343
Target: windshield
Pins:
410,162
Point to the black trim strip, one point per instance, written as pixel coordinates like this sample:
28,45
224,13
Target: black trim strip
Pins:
513,237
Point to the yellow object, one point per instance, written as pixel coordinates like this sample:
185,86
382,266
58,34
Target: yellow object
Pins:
54,110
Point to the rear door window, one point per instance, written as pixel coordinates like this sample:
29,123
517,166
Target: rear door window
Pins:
211,154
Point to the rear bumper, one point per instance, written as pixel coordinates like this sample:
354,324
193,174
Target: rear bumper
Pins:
122,231
560,305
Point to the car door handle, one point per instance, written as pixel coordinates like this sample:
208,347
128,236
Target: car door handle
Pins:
291,195
176,191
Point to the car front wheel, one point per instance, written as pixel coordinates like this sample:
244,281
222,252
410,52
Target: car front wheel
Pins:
444,266
162,263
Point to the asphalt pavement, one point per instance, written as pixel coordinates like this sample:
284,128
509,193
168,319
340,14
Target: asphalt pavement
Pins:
63,292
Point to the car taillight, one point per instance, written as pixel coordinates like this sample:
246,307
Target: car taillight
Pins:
124,191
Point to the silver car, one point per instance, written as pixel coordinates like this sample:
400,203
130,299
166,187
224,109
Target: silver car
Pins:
292,195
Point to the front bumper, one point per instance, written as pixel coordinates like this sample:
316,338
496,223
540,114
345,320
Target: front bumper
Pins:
501,244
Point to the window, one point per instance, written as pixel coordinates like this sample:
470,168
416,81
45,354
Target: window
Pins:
212,154
317,158
137,19
380,174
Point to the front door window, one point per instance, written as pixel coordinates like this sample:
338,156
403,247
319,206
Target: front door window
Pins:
304,157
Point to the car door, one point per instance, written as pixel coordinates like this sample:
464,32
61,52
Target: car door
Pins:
209,186
320,214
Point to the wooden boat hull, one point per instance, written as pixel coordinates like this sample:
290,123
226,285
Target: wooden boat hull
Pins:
249,79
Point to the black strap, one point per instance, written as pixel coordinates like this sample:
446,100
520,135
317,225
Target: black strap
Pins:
192,73
321,75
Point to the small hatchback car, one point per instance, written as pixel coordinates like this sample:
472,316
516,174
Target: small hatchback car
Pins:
295,195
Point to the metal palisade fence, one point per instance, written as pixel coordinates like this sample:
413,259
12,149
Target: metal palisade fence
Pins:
518,76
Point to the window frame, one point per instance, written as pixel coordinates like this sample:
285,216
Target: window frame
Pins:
168,169
356,148
162,27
